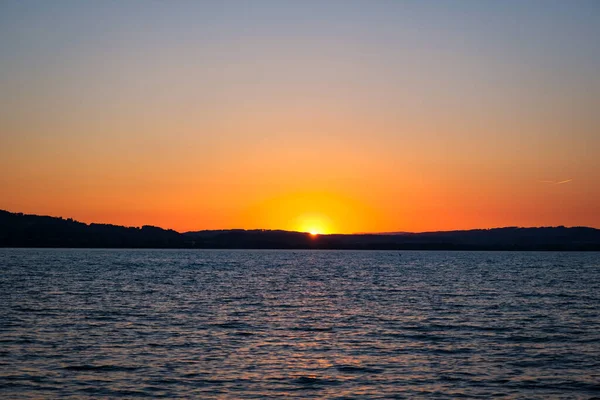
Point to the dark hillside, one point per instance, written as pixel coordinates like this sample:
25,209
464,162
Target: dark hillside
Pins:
21,230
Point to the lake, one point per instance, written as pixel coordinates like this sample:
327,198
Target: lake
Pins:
79,323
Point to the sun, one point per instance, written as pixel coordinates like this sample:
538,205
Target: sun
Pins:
314,224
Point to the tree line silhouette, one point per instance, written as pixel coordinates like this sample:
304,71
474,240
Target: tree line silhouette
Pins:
22,230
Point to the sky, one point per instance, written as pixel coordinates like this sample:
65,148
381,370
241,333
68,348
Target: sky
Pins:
327,116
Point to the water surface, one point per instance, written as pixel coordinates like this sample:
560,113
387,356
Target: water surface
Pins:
298,324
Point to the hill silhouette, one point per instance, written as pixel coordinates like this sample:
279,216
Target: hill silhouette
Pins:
22,230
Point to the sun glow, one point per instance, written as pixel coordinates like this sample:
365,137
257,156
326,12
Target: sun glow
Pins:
314,224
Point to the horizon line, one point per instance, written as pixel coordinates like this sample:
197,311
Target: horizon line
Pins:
390,233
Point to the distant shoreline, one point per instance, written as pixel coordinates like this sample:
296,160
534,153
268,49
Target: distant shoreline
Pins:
306,249
19,230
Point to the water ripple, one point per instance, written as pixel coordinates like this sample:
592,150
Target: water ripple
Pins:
302,324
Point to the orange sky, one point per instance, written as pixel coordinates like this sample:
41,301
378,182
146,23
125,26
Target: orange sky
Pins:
366,118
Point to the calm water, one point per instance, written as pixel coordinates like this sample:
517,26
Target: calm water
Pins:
304,324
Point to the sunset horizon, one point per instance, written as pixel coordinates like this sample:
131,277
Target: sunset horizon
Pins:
314,229
335,117
300,199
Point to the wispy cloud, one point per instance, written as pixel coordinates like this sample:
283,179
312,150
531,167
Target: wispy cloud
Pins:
557,182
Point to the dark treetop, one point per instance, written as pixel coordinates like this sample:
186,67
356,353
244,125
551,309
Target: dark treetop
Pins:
21,230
